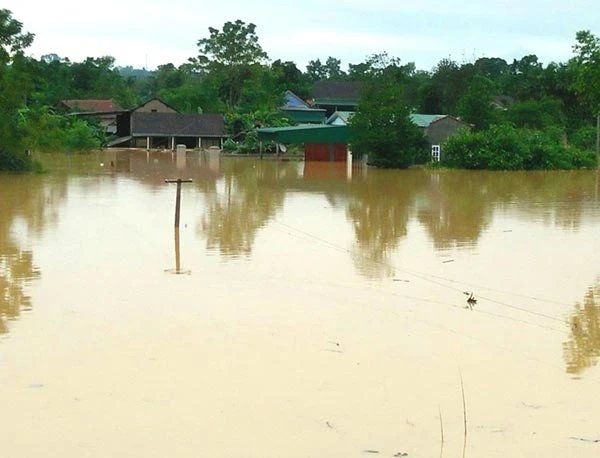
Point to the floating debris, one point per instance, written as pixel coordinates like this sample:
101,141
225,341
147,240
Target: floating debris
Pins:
471,301
595,441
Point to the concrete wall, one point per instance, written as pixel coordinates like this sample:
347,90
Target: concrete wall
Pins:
155,106
439,131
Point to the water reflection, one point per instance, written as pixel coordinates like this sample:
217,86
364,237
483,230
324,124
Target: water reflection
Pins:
582,349
252,194
380,209
28,205
455,209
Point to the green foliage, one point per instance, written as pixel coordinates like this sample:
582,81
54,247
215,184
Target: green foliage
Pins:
231,52
80,137
504,147
289,77
586,67
382,127
242,128
12,39
584,138
475,106
46,132
537,114
17,162
330,70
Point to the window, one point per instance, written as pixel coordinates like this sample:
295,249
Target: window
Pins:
435,153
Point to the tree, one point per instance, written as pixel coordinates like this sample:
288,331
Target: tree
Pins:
475,105
231,51
13,91
291,78
12,40
382,126
587,79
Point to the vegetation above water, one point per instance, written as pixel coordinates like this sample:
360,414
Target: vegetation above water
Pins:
504,147
550,108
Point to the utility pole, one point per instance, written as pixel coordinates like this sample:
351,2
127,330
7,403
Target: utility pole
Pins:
598,135
177,213
178,197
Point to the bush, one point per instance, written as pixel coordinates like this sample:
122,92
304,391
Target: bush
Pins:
584,138
505,147
17,162
79,136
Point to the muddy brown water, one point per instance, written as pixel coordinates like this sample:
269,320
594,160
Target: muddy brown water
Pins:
306,310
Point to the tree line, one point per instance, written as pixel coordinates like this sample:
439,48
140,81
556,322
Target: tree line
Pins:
233,75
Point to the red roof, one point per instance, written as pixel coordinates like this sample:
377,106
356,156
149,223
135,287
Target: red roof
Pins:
97,106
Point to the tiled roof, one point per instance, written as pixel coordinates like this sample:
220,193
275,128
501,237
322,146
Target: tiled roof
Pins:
97,106
338,90
177,124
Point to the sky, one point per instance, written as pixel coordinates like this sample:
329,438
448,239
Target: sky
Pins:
148,33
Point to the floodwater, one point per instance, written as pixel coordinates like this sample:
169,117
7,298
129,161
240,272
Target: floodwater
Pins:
302,310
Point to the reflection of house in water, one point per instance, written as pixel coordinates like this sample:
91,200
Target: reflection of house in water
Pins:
582,350
156,124
151,168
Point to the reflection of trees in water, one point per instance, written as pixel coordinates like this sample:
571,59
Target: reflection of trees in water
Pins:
456,209
460,205
29,203
252,196
380,209
582,349
555,198
16,267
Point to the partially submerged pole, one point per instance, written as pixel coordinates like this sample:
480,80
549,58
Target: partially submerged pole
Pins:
178,197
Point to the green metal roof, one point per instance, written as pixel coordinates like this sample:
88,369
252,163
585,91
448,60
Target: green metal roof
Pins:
315,133
424,120
300,115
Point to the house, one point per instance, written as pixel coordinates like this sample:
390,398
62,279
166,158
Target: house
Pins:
154,105
105,111
299,112
336,95
437,129
155,124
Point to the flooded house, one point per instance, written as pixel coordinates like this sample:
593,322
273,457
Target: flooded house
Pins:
156,124
437,129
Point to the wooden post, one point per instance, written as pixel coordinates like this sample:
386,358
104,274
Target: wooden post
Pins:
178,197
177,254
